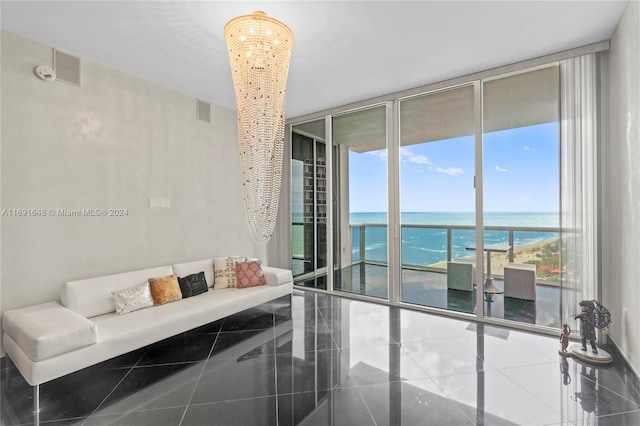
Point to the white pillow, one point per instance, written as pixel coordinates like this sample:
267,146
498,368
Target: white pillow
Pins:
224,271
133,298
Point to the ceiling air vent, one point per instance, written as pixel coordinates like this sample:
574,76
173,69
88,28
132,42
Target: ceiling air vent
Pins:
67,67
203,111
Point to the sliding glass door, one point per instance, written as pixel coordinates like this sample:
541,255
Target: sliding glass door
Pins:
360,161
437,199
521,196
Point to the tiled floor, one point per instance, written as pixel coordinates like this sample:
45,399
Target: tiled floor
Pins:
333,361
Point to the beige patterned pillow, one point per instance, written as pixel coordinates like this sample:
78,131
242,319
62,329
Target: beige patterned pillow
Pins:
224,271
133,298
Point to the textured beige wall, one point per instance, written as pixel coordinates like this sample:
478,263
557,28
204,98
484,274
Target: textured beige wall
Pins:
112,143
621,226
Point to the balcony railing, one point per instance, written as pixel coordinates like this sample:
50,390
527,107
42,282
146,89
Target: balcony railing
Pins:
429,247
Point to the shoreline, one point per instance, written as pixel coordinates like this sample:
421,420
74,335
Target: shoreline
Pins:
521,254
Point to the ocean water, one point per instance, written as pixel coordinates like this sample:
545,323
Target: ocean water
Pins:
426,246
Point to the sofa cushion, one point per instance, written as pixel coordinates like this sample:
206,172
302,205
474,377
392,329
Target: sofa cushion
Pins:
189,268
165,289
46,330
92,297
132,298
249,274
224,269
193,285
276,276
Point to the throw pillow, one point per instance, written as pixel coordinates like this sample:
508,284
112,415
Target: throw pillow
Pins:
249,274
165,289
193,285
224,271
133,298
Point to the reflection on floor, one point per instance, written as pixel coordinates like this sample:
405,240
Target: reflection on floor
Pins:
430,289
327,360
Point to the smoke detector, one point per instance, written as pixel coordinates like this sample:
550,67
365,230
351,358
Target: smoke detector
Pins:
45,73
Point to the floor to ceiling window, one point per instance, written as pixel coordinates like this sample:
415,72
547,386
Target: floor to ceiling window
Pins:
360,141
437,199
521,196
451,198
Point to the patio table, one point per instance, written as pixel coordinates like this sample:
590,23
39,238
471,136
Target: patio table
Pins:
489,288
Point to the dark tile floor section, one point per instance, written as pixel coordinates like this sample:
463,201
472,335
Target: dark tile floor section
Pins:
326,360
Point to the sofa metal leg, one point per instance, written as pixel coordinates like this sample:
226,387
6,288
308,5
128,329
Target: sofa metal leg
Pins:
36,399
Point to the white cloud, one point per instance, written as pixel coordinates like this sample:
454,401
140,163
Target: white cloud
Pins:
528,148
451,171
381,153
500,169
411,157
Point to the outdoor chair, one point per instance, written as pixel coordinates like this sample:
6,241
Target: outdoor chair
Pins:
520,281
460,275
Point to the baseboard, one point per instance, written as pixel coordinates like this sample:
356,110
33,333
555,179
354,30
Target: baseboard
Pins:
621,360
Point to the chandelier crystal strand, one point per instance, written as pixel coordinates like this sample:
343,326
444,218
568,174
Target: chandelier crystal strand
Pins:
259,52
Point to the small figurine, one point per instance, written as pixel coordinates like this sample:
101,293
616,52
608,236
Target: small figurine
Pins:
564,338
587,325
593,316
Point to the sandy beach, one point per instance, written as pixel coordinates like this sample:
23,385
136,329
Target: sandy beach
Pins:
522,254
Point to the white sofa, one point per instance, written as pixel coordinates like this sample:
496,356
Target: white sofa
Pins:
50,340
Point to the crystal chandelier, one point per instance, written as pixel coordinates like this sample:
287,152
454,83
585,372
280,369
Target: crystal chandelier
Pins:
259,51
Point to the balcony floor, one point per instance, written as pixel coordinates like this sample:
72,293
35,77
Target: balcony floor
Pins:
430,289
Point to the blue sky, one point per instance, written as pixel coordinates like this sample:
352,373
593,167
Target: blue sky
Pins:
521,169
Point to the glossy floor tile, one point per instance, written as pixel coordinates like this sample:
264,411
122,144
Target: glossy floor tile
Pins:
325,360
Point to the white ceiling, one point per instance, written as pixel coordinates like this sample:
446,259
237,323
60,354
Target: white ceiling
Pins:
344,51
